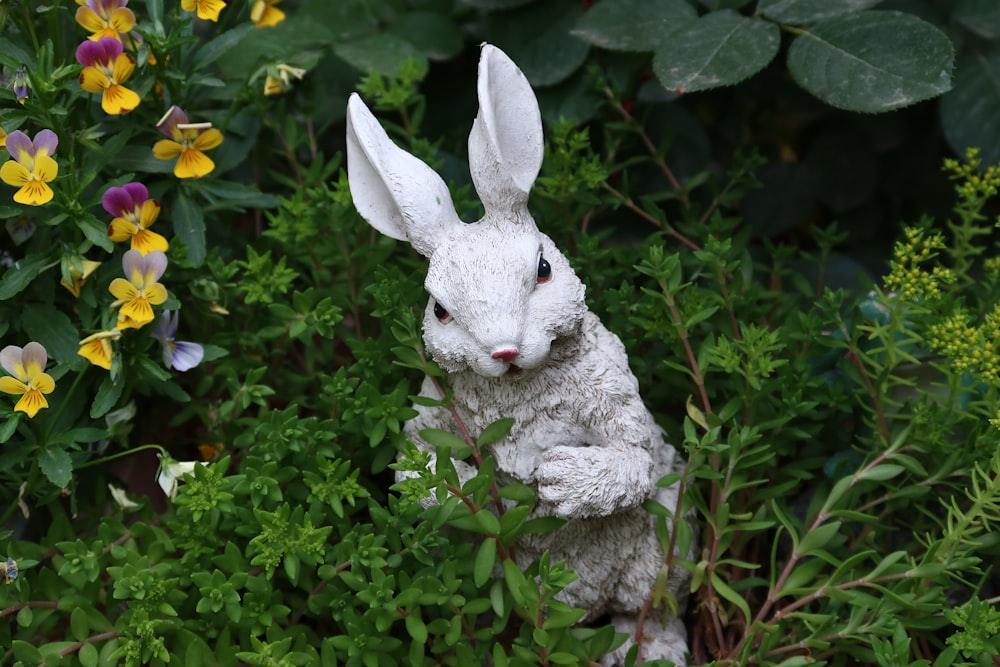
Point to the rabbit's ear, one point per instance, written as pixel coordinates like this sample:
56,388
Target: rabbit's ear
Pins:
506,145
398,194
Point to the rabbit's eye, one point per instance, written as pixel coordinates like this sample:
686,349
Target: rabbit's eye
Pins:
440,313
544,270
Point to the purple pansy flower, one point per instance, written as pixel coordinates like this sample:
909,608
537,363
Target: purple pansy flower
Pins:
180,355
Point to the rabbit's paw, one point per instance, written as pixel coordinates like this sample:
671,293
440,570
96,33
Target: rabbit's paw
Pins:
591,481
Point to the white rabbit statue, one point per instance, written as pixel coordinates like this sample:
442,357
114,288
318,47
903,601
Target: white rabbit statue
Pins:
507,320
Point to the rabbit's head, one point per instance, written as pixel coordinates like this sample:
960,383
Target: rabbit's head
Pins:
500,291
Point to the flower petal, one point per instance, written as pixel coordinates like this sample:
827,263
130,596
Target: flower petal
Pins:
34,193
121,201
31,403
46,142
123,289
119,99
138,311
121,229
174,116
186,355
93,80
122,20
167,149
123,68
146,241
46,168
10,360
90,21
9,385
208,139
43,382
133,266
34,357
155,263
148,212
90,53
155,294
97,352
193,164
14,173
20,147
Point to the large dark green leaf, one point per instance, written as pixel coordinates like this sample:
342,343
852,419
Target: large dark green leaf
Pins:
979,16
53,329
872,61
436,35
970,112
496,4
189,225
798,12
22,273
718,49
382,53
538,39
631,25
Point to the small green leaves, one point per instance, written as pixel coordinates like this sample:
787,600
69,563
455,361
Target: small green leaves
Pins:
872,61
719,49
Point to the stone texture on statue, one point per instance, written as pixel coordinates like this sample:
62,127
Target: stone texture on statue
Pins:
507,320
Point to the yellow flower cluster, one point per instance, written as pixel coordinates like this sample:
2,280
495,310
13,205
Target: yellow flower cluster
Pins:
973,185
969,348
907,276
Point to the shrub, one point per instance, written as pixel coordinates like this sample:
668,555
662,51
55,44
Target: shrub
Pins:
836,400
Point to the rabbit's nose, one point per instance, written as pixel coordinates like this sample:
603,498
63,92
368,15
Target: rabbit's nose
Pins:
507,354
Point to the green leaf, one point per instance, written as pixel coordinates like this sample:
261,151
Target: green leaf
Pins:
881,472
225,42
798,12
437,36
22,273
817,538
486,558
719,49
95,231
382,53
415,626
53,329
8,425
106,397
538,39
872,61
631,25
970,112
724,590
79,624
56,465
189,225
496,431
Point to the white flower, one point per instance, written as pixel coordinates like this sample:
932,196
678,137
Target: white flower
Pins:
171,473
121,499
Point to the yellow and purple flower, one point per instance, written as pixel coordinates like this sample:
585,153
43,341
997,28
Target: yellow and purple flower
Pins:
97,349
32,166
134,213
78,276
136,295
264,13
105,68
20,85
186,142
180,355
27,378
207,9
108,18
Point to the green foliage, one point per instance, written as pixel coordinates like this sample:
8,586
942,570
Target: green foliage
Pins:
258,503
